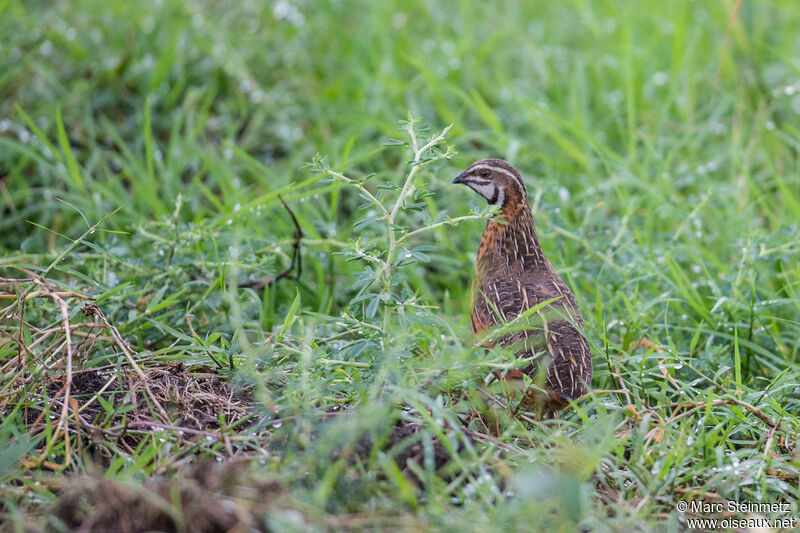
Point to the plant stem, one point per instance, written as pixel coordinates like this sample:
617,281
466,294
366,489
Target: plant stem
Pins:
448,222
361,189
416,165
390,216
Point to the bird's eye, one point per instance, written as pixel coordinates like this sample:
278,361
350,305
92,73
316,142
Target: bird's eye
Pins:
484,173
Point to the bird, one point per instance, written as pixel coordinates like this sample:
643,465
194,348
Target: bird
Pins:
513,275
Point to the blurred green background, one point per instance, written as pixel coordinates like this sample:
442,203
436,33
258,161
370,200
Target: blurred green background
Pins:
611,111
659,141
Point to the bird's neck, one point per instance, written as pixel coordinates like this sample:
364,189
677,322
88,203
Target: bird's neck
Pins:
510,237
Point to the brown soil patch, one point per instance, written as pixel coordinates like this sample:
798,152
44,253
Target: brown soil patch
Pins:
405,447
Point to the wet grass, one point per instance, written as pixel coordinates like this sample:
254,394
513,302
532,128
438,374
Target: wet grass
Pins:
144,152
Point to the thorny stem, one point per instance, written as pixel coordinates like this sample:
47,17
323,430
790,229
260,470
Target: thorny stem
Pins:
415,166
361,188
391,216
393,241
448,222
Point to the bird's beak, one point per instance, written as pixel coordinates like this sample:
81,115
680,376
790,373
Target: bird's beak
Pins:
461,178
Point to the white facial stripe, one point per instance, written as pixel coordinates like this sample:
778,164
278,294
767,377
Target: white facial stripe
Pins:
500,170
501,195
487,190
490,191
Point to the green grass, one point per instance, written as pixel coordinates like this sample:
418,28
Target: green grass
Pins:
667,200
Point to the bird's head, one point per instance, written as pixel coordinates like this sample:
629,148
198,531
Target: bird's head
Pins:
497,181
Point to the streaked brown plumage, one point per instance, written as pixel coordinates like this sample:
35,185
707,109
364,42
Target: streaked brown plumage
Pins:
512,275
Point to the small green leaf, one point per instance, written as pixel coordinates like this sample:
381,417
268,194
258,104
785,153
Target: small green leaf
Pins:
372,308
73,171
290,316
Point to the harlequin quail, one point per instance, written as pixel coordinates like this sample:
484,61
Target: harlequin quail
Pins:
513,275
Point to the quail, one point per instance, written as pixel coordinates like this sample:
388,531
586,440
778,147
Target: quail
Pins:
513,275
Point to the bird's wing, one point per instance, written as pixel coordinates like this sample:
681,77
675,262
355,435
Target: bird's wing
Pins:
549,332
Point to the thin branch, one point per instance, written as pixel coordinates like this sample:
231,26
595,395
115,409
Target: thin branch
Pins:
297,260
64,418
361,188
46,294
416,164
448,222
415,168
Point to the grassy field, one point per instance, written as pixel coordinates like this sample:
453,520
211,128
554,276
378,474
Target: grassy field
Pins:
146,149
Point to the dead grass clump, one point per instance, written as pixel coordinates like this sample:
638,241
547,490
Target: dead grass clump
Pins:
191,402
50,342
206,498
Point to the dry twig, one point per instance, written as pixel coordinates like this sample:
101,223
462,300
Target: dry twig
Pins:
297,261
